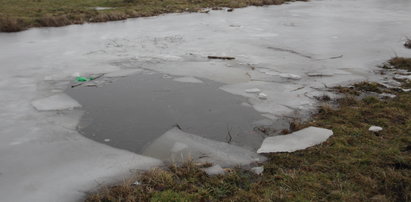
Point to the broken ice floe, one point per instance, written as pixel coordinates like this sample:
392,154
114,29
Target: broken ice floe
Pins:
298,140
176,145
375,129
188,79
55,102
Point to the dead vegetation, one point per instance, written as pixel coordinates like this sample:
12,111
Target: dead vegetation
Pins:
353,165
398,63
407,43
19,15
11,24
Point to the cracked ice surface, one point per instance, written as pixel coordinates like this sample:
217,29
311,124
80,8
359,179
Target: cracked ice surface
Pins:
276,48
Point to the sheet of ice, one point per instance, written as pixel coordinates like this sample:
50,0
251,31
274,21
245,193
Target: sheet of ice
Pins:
176,146
296,38
188,80
298,140
55,102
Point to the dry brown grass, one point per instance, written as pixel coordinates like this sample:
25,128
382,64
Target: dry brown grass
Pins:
18,15
11,24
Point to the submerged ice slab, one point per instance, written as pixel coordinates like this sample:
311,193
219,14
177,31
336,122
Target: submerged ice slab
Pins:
176,146
298,140
55,102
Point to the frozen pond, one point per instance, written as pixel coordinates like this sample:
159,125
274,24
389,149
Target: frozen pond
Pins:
131,112
289,52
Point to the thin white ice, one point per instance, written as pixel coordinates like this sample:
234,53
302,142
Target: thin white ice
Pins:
281,50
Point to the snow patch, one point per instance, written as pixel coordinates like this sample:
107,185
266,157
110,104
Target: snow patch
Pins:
375,129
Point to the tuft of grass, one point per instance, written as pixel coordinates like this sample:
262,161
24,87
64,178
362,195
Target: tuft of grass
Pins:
17,15
352,165
398,63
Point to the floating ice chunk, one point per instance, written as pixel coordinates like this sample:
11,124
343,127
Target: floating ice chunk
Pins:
262,96
122,73
214,170
55,102
375,129
299,140
177,145
253,90
257,170
188,80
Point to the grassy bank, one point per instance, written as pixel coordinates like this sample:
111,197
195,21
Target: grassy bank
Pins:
17,15
353,165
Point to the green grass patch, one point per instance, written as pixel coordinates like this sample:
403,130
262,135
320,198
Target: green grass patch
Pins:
353,165
17,15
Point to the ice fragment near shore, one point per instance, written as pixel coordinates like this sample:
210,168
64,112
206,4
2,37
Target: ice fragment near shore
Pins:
298,140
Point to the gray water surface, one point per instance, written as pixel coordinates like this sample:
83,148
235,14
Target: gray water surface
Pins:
131,112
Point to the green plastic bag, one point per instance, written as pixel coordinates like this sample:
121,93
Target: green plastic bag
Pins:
81,79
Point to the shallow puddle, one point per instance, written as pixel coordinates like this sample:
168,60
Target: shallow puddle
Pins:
133,111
